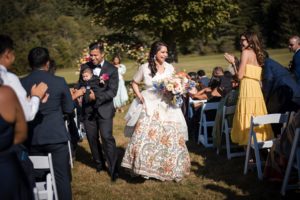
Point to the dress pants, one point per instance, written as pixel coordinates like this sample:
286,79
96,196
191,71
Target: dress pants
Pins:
61,165
94,126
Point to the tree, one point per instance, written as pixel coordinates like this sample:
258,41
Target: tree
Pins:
58,25
171,21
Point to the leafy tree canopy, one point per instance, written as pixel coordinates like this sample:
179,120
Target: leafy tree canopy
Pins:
169,20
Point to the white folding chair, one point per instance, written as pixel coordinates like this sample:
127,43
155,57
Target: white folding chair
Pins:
203,137
69,147
257,121
46,189
226,129
294,161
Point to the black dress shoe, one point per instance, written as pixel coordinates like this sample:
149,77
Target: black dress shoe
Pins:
114,177
99,168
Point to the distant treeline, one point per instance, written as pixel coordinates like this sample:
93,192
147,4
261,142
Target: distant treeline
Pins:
65,28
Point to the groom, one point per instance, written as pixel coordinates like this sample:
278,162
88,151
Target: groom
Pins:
100,118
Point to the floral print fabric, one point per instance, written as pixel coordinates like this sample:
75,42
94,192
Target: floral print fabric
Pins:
157,149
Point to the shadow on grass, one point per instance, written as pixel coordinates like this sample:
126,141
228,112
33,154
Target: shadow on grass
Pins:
85,157
125,174
219,169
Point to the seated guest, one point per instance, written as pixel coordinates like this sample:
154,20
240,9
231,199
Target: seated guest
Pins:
278,156
230,99
202,78
47,132
13,130
219,86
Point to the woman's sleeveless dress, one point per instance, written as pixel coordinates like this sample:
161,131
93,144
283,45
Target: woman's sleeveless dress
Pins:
250,102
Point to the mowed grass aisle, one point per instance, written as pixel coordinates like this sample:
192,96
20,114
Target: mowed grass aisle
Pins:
212,176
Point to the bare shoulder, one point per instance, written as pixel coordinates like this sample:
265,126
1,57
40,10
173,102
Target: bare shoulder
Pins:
7,95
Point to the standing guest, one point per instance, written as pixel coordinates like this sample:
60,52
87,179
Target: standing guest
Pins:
69,118
122,96
157,147
47,132
250,101
30,106
294,46
203,79
281,91
101,119
13,130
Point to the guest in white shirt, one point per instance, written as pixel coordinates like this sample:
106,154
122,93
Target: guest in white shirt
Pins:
38,92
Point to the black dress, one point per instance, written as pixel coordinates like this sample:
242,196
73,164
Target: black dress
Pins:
9,170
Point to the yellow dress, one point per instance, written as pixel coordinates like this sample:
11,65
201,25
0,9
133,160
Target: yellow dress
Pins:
250,102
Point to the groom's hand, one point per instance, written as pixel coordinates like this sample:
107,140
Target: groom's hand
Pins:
92,96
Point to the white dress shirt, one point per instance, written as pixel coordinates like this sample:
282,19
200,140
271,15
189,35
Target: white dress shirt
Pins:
30,106
97,70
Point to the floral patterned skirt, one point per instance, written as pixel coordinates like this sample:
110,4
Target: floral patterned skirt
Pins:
157,149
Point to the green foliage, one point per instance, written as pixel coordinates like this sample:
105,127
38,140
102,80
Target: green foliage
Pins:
169,20
58,25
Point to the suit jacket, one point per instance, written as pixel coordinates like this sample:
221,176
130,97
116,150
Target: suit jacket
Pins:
106,91
295,68
48,126
275,75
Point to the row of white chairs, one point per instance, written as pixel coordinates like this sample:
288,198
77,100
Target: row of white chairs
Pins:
206,140
47,189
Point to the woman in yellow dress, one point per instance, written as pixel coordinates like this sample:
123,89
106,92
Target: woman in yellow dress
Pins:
250,100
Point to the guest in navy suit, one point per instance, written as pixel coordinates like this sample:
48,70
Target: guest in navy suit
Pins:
294,46
47,132
281,91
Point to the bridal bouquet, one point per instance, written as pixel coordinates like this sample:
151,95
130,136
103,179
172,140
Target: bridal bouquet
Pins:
174,87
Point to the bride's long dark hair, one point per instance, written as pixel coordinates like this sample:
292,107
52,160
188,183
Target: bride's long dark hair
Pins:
155,47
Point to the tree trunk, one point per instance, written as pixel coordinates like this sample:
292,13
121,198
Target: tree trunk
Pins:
169,38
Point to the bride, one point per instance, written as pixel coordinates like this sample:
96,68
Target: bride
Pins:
157,146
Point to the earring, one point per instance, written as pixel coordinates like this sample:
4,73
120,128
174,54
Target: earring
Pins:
154,57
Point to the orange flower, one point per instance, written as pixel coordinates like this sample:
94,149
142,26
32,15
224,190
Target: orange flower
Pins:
152,134
167,167
165,140
181,142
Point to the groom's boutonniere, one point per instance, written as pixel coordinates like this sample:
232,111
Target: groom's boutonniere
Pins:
103,78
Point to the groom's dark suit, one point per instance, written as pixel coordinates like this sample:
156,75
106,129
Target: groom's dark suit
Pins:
101,120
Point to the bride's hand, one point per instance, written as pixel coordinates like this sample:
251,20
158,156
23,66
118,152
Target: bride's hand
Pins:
141,98
229,58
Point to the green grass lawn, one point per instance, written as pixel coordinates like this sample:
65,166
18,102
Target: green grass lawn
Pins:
212,176
188,63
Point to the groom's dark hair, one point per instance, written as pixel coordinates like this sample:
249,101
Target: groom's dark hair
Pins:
97,45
